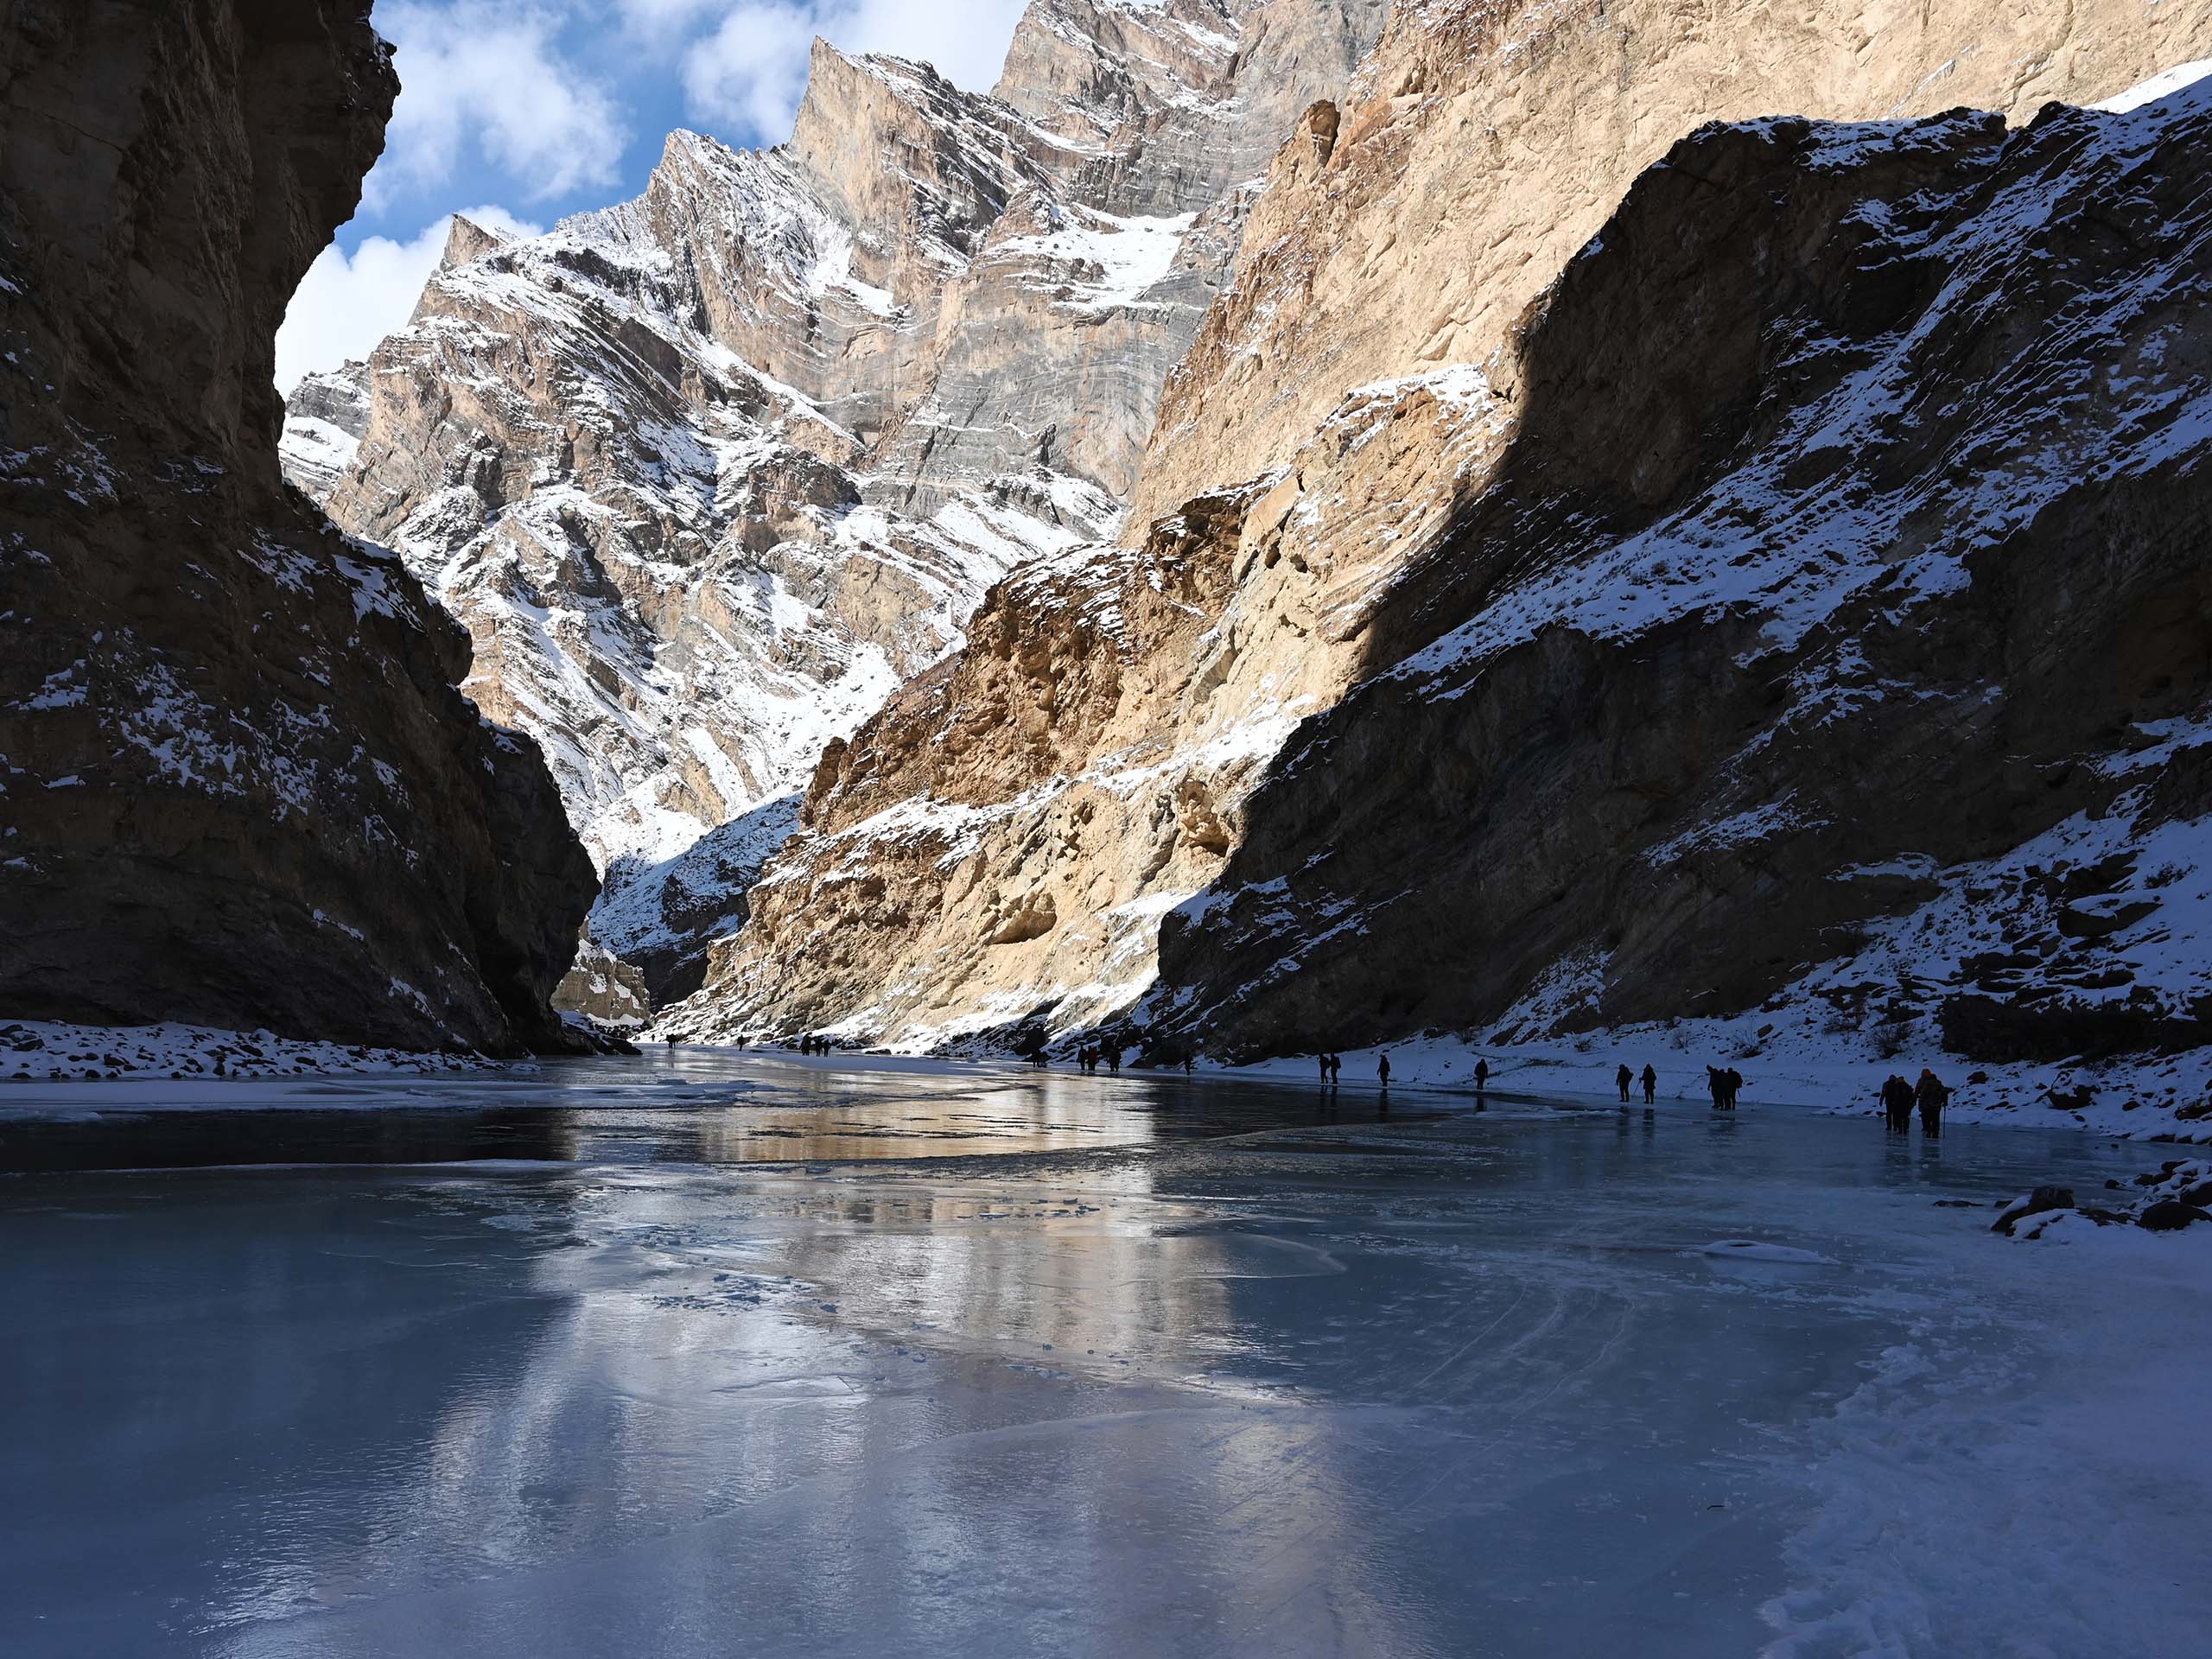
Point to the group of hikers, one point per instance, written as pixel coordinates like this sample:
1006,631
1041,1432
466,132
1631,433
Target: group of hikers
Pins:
1622,1079
1333,1067
1931,1094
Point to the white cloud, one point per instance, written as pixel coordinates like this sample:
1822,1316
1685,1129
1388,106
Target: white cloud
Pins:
344,307
662,20
965,38
490,74
751,72
746,77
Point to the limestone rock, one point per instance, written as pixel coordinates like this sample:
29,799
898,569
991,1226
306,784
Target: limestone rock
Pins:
1796,576
1738,620
707,474
1487,140
238,786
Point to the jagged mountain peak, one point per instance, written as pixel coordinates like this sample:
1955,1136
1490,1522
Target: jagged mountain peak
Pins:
709,472
1234,727
465,240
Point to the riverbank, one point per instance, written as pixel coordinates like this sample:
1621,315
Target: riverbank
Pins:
2157,1097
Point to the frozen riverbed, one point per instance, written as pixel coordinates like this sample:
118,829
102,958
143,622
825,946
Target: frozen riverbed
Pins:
1011,1365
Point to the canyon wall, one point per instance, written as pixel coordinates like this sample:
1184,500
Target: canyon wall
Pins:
1833,636
707,474
238,786
997,852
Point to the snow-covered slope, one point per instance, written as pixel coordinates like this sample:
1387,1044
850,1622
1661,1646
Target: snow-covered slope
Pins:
1825,657
709,473
1800,628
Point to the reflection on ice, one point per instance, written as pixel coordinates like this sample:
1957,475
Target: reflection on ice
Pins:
1522,1387
712,1106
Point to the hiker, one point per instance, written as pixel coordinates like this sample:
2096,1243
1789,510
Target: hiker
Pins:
1482,1076
1383,1069
1336,1068
1716,1082
1622,1078
1650,1085
1933,1097
1324,1060
1896,1104
1113,1056
1735,1086
1190,1063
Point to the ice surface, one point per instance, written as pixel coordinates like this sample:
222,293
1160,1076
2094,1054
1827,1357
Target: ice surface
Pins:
1450,1387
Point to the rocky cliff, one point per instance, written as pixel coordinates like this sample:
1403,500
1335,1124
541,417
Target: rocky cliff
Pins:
238,786
998,848
709,473
1833,636
1486,140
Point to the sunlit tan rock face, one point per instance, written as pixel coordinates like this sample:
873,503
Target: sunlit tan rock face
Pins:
1832,637
1228,723
238,786
995,850
1487,140
707,475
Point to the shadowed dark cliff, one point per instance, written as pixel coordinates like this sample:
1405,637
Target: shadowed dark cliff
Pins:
1846,582
240,788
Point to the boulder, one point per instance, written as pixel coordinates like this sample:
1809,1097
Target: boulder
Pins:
2170,1216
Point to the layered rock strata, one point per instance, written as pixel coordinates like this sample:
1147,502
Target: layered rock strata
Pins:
707,474
1835,632
1485,141
238,786
997,851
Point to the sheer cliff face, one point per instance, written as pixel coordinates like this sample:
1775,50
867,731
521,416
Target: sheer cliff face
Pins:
1833,635
1487,140
236,784
998,848
707,474
995,849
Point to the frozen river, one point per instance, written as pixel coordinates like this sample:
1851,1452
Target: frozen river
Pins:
721,1356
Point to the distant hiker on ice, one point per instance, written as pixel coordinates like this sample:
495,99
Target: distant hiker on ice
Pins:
1622,1078
1336,1068
1482,1076
1324,1060
1383,1069
1650,1085
1716,1083
1933,1096
1896,1104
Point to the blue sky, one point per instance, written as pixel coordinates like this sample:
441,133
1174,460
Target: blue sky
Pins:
518,112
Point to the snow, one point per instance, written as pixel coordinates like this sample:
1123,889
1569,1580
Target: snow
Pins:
51,1051
710,877
2159,85
1105,262
317,445
1760,542
1325,1386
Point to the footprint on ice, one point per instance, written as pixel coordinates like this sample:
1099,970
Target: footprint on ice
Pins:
1751,1249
